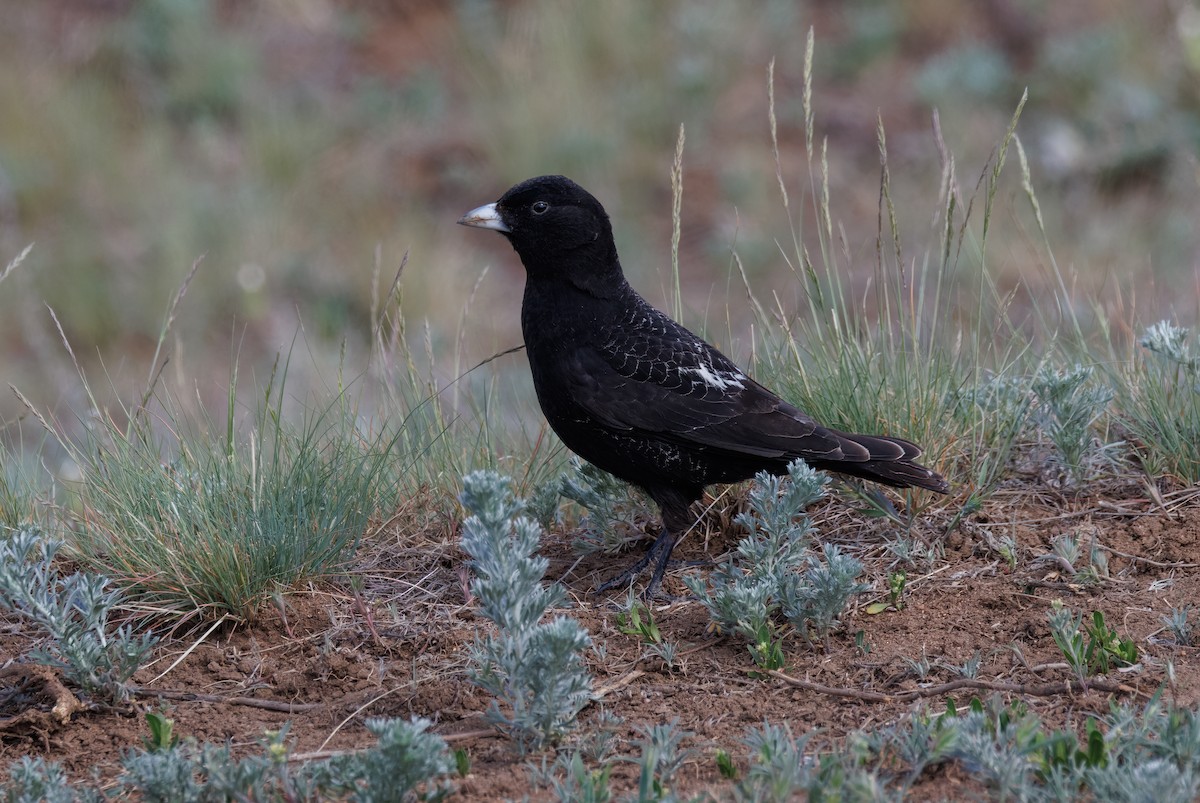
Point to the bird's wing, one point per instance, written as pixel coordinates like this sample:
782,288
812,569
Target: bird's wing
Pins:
661,380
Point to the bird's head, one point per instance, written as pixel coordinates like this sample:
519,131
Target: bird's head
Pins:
555,226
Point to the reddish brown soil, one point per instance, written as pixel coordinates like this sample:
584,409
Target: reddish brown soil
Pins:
323,656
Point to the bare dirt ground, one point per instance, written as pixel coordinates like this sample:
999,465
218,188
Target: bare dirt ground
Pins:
399,649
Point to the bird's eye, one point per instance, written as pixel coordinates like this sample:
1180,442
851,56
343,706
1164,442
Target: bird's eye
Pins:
540,207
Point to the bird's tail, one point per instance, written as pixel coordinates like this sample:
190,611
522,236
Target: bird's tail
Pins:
889,461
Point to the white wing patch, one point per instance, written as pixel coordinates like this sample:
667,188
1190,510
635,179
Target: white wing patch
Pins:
718,380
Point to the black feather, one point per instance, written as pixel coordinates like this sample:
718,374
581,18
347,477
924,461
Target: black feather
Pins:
640,396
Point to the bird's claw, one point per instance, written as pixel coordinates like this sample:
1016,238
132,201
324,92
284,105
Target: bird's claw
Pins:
658,554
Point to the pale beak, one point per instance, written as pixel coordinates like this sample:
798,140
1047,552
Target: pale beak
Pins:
485,217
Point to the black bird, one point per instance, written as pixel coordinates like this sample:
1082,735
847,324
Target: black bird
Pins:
641,397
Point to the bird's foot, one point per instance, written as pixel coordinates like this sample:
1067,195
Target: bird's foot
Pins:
659,554
627,577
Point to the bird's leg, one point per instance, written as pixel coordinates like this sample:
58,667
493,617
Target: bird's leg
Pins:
663,557
659,554
674,502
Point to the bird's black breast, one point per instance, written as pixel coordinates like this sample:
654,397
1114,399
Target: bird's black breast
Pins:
558,328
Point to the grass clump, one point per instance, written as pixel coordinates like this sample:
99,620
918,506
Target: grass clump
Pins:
221,523
534,668
997,410
1158,396
74,612
17,491
896,359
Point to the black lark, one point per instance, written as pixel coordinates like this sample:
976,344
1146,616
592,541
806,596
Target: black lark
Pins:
633,392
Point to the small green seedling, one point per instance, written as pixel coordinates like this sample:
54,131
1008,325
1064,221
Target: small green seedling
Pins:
638,620
162,733
767,650
462,762
725,765
1105,646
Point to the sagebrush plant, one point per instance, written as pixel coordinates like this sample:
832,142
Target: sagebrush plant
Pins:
1065,549
912,552
660,758
542,502
36,780
571,781
1157,779
1090,649
814,598
1067,553
1002,745
1070,402
190,771
533,668
406,763
1007,747
75,612
919,667
782,767
919,741
779,767
968,668
612,505
1181,629
774,570
741,594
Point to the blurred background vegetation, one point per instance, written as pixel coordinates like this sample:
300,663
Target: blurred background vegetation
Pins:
298,144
